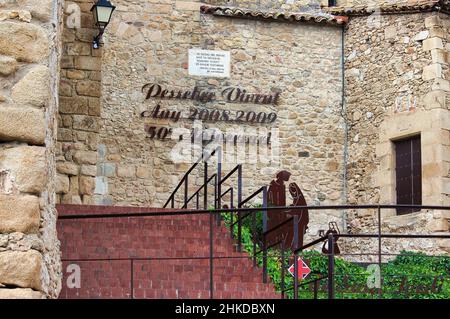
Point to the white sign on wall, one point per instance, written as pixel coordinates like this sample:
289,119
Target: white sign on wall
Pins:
209,63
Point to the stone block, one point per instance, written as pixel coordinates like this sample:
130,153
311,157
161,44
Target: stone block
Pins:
421,36
432,71
26,164
21,269
73,105
22,124
126,171
437,31
432,43
20,293
62,184
434,99
71,199
439,56
76,74
8,65
89,88
88,170
67,168
65,135
86,123
19,214
143,172
87,185
85,157
433,21
23,41
41,10
88,63
65,88
441,84
77,48
34,88
94,107
67,62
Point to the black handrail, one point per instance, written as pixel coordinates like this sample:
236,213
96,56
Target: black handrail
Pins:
230,173
198,190
199,160
252,196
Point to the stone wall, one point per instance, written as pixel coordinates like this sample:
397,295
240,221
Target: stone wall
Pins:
150,45
397,86
79,112
29,67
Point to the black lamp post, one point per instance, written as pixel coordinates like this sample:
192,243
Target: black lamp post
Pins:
102,11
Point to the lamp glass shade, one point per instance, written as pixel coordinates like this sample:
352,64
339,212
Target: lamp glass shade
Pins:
102,12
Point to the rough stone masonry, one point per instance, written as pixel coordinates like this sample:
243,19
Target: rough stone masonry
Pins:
29,70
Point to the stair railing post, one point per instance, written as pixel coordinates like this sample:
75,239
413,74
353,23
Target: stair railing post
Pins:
132,278
330,266
295,232
380,289
219,182
231,213
264,231
186,191
254,237
205,184
215,193
211,255
197,203
295,276
316,288
283,268
239,195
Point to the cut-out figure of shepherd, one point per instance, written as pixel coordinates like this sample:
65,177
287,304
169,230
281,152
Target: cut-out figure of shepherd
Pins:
277,197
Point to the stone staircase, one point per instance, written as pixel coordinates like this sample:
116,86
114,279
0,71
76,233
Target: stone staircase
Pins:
163,248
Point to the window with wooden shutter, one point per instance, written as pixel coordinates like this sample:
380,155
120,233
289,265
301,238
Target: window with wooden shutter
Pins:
408,171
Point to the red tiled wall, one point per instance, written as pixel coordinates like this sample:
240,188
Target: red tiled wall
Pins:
161,241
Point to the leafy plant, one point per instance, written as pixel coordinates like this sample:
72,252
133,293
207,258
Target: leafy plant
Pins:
409,276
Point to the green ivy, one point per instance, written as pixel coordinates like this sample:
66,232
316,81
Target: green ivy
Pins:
409,276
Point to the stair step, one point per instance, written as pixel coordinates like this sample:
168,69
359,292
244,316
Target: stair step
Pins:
159,236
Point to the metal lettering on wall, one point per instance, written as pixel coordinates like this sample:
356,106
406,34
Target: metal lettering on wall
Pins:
234,95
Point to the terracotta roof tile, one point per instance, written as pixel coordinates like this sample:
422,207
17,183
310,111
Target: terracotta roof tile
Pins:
405,6
279,16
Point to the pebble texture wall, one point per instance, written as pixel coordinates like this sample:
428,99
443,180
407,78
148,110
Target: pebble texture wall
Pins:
29,70
397,86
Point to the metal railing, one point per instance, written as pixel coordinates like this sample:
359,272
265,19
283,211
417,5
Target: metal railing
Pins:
244,212
239,214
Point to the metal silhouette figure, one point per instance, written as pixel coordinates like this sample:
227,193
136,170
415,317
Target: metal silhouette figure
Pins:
302,213
283,231
332,229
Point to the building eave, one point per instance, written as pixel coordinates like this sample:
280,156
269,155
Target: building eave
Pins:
406,7
233,12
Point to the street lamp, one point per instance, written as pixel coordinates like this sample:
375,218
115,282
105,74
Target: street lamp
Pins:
102,11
